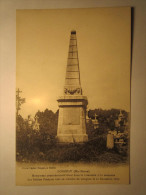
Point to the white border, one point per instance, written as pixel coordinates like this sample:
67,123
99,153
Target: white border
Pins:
7,99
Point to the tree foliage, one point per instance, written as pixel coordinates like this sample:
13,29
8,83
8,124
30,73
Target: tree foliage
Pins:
48,121
41,145
106,119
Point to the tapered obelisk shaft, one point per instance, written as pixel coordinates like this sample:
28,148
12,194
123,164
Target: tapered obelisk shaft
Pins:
72,79
72,105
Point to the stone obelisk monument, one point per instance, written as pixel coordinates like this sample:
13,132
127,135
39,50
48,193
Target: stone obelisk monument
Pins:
72,105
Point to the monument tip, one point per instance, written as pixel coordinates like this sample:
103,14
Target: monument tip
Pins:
73,32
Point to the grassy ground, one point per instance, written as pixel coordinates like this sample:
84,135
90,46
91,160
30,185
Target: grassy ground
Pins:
91,151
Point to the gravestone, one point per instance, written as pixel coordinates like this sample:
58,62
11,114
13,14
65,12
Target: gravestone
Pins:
95,122
110,141
72,105
36,125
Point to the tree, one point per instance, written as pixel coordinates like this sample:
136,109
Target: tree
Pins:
48,121
106,119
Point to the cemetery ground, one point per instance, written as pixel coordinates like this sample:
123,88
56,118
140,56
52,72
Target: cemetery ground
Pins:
33,148
42,146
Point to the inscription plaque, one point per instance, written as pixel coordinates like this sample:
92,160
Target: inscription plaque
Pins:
71,116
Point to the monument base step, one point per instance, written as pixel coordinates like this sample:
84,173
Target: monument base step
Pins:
72,138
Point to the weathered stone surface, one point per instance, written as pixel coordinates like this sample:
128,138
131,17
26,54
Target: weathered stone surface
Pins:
72,119
72,106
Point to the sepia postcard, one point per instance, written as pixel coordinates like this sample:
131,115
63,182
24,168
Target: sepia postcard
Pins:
73,96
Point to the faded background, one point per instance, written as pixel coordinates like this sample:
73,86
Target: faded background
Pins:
42,42
7,99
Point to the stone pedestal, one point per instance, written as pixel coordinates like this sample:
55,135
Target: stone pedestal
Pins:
72,119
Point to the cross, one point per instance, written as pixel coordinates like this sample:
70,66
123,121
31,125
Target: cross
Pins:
19,101
18,91
95,116
36,118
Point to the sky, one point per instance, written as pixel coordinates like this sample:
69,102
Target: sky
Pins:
42,42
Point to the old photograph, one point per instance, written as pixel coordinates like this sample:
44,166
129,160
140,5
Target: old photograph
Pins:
73,96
